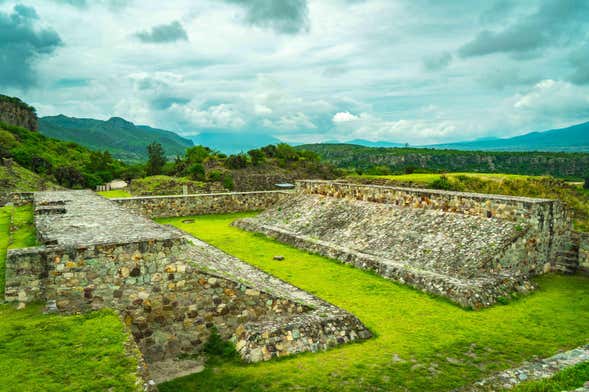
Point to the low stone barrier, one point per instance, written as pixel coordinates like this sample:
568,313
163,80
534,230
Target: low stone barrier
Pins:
200,204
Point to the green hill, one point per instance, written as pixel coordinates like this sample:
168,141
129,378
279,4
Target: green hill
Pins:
406,160
65,163
572,139
123,139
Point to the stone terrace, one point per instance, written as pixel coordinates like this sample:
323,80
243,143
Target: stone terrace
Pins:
169,288
471,249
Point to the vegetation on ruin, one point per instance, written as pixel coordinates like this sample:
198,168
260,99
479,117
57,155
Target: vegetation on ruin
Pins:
421,342
386,161
115,193
573,195
565,380
54,352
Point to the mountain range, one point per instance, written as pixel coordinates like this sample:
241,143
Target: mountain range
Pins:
128,141
123,139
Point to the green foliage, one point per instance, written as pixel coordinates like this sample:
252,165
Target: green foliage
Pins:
564,165
238,161
228,182
257,156
197,171
217,347
156,159
164,185
421,343
442,183
586,183
197,154
17,102
115,193
566,380
66,163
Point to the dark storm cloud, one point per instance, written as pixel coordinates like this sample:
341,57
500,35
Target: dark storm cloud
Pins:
579,59
21,46
437,61
164,33
285,16
554,22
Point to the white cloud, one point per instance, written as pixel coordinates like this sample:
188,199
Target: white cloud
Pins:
290,122
343,117
219,116
555,97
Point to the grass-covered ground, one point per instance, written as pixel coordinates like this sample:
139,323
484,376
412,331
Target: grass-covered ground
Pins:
421,343
575,196
114,193
56,353
566,380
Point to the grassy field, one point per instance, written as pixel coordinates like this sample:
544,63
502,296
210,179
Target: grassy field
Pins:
421,343
57,353
114,194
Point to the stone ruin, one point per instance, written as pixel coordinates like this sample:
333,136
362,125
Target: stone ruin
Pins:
474,249
170,289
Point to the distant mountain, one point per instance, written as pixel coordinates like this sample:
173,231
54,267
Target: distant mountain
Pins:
368,143
571,139
122,138
234,143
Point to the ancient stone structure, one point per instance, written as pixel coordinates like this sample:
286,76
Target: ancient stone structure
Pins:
205,203
170,289
474,249
13,111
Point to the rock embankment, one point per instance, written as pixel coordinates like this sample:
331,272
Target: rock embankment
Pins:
13,111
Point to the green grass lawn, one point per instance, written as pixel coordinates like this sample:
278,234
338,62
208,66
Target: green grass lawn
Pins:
421,343
429,178
114,193
57,353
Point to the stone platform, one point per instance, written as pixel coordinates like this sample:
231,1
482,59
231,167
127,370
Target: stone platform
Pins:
170,289
469,249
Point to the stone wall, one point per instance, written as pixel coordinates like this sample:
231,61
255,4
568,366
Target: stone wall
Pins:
214,203
551,218
169,288
584,251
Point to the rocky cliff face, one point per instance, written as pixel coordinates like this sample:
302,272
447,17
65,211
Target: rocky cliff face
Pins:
13,111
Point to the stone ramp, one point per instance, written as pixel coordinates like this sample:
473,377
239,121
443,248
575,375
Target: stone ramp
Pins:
169,288
472,260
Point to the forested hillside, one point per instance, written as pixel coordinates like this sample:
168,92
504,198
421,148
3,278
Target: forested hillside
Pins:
65,163
123,139
406,160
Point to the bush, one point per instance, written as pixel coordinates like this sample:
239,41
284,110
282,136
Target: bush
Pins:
196,171
238,161
586,184
218,347
228,182
257,156
442,183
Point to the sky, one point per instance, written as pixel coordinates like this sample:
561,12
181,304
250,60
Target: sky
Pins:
407,71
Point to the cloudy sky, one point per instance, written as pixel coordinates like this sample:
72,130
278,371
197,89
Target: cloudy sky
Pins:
416,71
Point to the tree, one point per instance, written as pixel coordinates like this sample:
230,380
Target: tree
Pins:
238,161
157,159
586,184
257,156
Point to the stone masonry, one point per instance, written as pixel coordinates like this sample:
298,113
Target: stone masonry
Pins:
473,249
170,289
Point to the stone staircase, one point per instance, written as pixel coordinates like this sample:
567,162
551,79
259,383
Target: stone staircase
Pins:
568,258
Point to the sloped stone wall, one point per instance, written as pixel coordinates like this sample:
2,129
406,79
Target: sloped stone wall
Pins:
550,218
212,203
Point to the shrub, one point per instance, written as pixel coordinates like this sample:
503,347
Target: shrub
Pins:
442,183
586,184
196,171
238,161
218,347
257,156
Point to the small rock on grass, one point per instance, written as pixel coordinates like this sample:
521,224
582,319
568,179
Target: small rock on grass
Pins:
279,258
